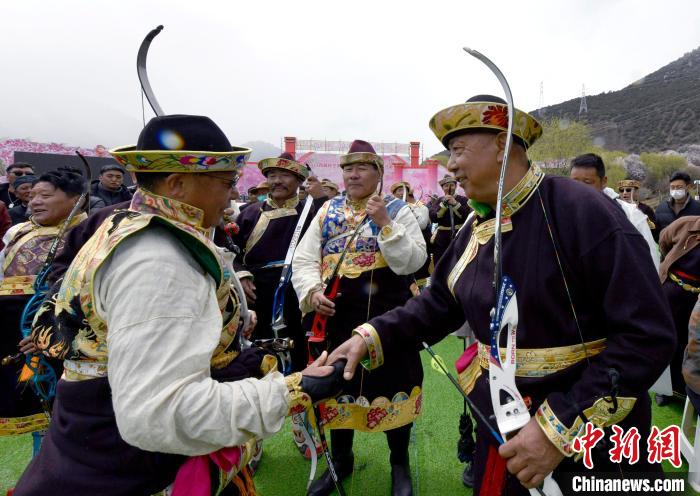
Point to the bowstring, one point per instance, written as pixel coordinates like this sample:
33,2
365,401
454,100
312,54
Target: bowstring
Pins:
563,277
568,294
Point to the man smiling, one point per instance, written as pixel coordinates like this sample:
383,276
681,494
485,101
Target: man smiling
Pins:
143,319
592,335
266,230
388,248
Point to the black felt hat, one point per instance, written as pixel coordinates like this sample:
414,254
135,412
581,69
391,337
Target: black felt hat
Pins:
181,143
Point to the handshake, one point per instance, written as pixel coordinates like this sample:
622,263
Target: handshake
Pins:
323,381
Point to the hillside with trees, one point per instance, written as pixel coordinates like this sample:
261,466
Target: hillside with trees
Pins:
659,112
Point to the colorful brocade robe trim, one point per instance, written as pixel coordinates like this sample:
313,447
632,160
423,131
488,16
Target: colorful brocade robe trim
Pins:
68,326
339,217
26,253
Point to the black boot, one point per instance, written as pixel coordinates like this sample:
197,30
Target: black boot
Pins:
325,485
401,479
468,475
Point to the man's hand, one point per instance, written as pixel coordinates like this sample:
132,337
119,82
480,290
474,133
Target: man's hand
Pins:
450,200
376,209
318,367
353,350
249,289
313,187
321,304
531,455
27,346
248,331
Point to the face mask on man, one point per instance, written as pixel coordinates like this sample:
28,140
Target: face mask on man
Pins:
677,194
262,197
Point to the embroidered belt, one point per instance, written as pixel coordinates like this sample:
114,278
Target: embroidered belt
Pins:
541,362
354,264
17,285
74,370
14,426
449,228
683,284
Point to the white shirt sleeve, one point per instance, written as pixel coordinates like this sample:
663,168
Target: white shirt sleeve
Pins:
639,220
306,264
404,249
422,216
164,323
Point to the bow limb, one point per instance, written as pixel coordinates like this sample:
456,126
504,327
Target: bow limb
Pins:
88,177
143,74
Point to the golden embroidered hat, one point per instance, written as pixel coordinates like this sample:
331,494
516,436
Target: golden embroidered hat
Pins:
362,152
629,183
447,180
399,184
284,162
484,112
329,184
181,143
264,185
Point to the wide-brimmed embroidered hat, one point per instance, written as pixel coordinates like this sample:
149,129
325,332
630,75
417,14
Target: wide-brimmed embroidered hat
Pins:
329,184
285,162
362,152
484,112
447,180
629,183
254,190
405,184
181,143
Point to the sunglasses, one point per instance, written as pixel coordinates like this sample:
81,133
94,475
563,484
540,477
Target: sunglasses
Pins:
625,190
21,173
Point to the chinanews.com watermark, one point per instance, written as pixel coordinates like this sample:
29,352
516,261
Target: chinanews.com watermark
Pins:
612,485
661,445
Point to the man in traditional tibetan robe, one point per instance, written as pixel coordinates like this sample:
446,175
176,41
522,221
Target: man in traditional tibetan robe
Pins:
330,189
144,318
629,192
404,191
266,230
26,249
592,334
375,276
680,279
449,212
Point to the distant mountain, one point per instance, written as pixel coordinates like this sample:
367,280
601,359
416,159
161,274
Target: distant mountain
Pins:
261,150
659,112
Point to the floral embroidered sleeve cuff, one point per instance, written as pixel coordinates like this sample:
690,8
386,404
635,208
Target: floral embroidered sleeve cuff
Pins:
559,435
375,355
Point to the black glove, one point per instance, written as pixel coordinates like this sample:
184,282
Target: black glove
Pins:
320,388
245,365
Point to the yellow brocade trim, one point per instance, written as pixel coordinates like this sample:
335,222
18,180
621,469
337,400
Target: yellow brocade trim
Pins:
540,362
598,414
449,228
381,415
684,285
375,353
29,231
467,378
265,217
481,234
17,285
14,426
354,264
288,203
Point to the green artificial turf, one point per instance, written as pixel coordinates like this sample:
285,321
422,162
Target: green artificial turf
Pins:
433,449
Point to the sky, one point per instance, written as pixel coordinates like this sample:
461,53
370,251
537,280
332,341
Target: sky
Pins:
373,70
